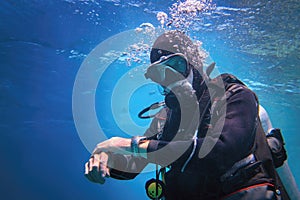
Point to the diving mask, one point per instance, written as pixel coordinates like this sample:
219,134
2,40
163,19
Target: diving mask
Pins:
168,69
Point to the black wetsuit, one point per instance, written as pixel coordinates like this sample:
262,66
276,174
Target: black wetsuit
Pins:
201,176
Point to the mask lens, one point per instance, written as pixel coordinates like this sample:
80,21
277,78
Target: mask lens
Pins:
179,63
175,62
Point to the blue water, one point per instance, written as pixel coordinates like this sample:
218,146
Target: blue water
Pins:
43,44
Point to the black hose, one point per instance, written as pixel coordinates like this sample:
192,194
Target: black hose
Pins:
152,107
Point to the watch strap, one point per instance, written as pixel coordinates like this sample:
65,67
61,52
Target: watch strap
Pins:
135,141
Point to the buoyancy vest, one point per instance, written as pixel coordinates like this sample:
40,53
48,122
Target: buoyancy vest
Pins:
265,171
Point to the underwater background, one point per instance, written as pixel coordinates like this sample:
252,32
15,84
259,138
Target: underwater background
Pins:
44,43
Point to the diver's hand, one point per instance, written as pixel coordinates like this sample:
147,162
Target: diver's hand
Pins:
96,169
115,145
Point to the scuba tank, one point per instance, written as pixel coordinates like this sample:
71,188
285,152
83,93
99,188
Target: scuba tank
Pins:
282,168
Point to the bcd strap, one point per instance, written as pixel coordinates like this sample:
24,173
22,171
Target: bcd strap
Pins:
231,85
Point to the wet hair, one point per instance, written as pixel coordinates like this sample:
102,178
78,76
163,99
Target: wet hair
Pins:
176,41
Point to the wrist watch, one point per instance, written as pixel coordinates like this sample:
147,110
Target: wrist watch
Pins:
135,141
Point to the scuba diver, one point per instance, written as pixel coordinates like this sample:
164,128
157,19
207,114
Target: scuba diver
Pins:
207,137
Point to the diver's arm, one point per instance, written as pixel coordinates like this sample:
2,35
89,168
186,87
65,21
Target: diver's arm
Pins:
124,166
114,158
